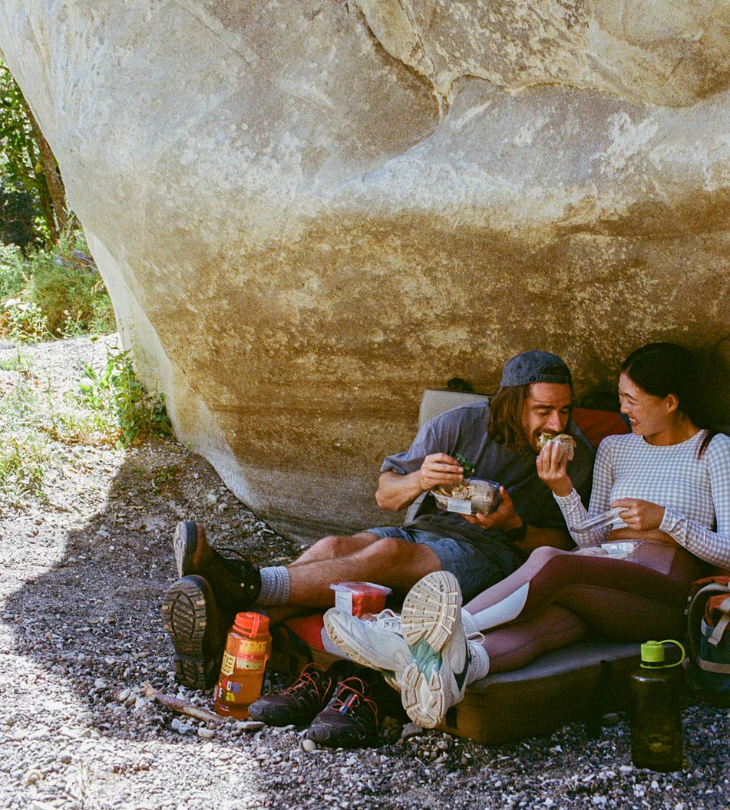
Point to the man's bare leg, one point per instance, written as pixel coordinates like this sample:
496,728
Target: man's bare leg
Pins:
329,548
388,561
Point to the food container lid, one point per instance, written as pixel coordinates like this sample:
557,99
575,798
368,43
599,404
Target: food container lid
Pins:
361,587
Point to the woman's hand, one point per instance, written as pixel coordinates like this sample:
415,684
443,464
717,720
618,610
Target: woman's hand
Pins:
640,515
552,465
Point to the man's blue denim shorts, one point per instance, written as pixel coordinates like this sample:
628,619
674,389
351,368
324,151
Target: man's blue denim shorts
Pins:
473,565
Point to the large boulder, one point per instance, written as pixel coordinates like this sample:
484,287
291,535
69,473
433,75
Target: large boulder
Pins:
309,211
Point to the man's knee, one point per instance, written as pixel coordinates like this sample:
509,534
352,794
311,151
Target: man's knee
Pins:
397,553
335,546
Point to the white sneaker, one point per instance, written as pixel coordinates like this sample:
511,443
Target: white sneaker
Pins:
376,643
444,661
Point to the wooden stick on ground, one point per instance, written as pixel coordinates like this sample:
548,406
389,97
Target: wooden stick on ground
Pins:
181,706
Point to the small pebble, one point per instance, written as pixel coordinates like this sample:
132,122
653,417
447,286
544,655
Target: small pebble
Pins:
308,745
206,733
410,730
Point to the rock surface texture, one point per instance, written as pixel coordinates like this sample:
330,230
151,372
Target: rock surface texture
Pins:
307,212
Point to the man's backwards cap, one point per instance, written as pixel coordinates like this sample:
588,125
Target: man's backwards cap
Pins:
533,367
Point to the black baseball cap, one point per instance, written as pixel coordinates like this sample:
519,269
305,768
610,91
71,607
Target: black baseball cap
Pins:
533,367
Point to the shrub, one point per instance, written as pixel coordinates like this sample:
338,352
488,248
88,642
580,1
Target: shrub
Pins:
53,293
117,390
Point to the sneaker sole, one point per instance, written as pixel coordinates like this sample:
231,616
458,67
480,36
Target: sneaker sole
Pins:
185,616
424,700
184,544
358,654
430,612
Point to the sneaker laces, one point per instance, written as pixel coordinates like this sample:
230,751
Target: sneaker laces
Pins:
306,679
388,620
348,696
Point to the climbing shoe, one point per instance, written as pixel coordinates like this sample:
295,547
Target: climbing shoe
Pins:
300,703
350,719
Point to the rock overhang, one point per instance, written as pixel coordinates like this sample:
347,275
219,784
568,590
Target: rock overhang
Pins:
308,213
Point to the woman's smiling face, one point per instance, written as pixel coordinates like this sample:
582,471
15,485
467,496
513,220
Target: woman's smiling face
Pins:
648,415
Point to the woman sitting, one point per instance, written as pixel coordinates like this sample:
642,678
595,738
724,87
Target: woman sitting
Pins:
669,482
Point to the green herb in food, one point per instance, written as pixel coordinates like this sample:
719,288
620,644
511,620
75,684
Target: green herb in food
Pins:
467,465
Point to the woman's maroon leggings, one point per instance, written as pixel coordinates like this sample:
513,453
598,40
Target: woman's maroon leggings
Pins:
566,597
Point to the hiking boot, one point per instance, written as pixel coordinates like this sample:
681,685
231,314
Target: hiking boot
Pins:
376,643
304,699
350,719
236,583
444,659
197,629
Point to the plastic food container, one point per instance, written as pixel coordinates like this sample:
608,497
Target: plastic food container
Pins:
359,598
468,497
622,549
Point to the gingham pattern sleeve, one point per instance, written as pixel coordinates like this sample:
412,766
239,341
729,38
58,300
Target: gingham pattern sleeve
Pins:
711,546
573,510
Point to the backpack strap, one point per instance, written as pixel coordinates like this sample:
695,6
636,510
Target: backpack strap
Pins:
719,630
696,614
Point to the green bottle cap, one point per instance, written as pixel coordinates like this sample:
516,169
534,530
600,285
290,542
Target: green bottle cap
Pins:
652,652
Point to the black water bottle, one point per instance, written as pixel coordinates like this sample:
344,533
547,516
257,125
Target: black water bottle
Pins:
656,710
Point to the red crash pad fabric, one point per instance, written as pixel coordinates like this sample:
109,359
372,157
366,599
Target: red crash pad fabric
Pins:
596,425
308,628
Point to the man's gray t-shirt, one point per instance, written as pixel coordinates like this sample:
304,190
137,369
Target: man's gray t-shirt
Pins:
463,430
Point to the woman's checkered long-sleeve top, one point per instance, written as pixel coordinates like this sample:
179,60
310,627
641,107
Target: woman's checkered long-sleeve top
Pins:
695,492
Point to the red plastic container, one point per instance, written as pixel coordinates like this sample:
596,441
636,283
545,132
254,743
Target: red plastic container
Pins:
360,598
248,648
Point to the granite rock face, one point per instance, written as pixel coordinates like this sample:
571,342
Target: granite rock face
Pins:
308,212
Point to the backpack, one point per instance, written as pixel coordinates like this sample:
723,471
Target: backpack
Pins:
708,634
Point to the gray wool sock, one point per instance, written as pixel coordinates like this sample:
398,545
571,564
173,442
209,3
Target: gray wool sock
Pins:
274,586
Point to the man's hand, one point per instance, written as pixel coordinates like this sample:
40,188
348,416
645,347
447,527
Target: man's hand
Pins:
438,468
640,515
504,516
552,466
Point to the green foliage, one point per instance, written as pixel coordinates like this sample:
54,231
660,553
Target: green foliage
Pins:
15,362
117,390
50,294
20,153
18,217
25,453
27,163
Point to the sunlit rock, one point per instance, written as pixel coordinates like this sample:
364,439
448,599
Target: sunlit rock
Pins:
308,212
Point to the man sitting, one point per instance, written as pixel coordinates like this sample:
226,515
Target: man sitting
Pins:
501,441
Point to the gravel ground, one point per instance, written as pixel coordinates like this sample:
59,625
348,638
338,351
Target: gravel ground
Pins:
83,573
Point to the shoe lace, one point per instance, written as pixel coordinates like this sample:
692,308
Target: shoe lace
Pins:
238,565
238,556
306,679
349,698
389,620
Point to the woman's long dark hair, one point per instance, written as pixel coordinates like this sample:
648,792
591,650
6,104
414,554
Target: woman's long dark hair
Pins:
661,369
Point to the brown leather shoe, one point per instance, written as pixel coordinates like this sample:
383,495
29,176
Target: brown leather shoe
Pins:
197,629
236,583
